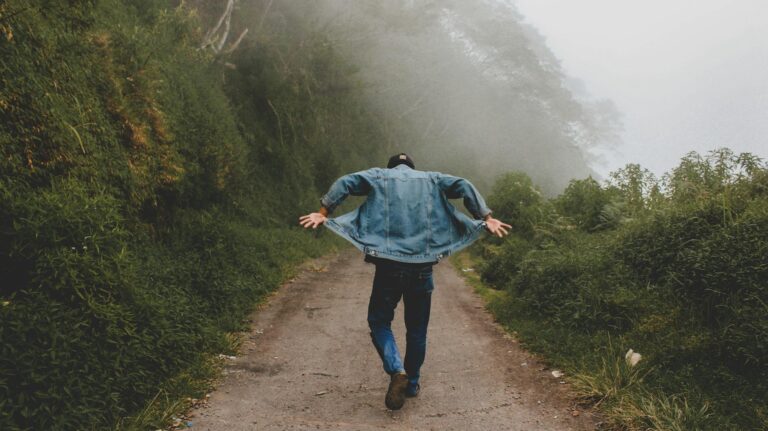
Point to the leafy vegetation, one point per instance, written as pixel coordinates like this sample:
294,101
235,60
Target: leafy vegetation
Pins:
147,194
148,188
674,268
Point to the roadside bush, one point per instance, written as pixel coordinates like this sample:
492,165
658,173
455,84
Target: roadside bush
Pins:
678,274
584,201
501,262
578,284
144,208
516,200
716,267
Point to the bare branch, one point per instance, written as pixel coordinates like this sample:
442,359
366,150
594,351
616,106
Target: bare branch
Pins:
226,26
237,42
217,37
209,38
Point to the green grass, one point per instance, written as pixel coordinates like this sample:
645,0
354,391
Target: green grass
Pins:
149,198
643,397
675,271
176,396
188,388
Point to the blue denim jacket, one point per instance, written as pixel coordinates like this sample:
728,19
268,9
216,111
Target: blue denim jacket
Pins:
407,216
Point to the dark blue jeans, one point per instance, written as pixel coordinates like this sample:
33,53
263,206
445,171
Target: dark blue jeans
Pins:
414,285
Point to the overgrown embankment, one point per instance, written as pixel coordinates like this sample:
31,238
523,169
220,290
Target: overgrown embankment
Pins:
674,269
147,194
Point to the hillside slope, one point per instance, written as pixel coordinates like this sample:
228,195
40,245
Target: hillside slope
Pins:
147,194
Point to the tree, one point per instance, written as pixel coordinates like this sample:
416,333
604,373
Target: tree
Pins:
633,184
515,198
583,201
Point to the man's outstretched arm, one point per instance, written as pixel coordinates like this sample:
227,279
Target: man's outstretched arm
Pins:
457,187
355,184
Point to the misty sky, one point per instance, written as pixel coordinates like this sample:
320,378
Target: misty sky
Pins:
686,74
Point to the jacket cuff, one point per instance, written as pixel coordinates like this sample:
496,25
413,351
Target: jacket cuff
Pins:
327,203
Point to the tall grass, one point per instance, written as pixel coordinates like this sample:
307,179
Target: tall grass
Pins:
674,269
147,198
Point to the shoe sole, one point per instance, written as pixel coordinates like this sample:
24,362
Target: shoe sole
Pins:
396,393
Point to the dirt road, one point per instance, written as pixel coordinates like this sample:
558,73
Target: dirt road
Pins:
308,364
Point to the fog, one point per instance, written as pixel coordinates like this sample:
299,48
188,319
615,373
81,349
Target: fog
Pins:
686,75
555,88
465,87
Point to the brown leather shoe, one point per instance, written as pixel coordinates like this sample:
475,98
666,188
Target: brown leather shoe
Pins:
396,393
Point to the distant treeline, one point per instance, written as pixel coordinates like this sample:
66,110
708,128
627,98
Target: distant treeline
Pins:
675,269
147,189
466,87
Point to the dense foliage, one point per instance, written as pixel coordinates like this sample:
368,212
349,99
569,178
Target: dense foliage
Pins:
675,269
147,189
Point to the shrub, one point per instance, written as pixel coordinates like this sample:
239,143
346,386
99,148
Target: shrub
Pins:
584,202
144,207
501,262
515,199
680,276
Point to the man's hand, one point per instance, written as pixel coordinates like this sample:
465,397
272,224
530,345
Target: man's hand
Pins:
497,227
312,220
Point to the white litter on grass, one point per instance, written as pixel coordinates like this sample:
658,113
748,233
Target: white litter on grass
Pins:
467,269
557,374
632,357
223,356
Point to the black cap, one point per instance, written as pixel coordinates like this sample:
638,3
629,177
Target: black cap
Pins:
400,159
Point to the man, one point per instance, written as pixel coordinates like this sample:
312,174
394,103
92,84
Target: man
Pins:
405,226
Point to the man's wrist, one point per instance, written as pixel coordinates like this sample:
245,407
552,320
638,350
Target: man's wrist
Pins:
323,211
